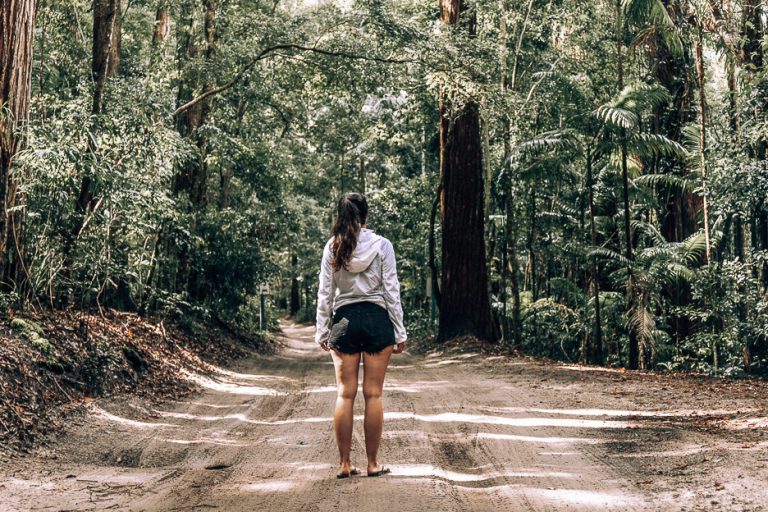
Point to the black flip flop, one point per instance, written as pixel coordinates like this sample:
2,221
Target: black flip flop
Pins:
382,471
352,472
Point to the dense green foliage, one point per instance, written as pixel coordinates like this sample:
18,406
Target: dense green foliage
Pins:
324,97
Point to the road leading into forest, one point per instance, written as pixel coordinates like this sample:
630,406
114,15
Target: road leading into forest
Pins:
462,433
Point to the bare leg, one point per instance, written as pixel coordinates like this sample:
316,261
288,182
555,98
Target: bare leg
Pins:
347,366
373,383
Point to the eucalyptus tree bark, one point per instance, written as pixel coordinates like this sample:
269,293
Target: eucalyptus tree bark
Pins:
17,25
464,306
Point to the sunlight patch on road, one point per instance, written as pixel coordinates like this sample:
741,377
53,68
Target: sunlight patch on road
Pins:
251,376
241,417
512,422
427,470
536,439
321,389
22,483
304,466
584,500
269,486
746,423
616,412
668,453
219,442
444,362
417,386
228,387
102,414
212,406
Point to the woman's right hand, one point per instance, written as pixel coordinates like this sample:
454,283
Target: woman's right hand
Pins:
399,348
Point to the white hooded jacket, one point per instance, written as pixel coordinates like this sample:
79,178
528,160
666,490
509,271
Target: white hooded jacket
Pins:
371,276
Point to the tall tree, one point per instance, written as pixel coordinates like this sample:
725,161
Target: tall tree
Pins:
162,24
17,24
106,32
103,51
192,178
464,306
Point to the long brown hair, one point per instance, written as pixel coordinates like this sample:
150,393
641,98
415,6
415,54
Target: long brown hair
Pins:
352,214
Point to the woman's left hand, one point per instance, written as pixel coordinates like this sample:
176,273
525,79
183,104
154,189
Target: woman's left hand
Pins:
399,348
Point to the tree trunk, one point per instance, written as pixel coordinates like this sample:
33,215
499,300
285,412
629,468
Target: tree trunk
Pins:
192,179
362,175
464,305
634,346
595,352
162,25
434,277
295,301
531,245
674,72
733,106
116,47
226,170
104,49
105,17
511,270
703,134
17,25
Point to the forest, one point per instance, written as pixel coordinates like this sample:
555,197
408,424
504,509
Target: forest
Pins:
584,181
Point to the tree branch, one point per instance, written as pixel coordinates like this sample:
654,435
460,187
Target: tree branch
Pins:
264,53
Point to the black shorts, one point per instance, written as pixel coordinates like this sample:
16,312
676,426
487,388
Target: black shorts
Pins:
361,327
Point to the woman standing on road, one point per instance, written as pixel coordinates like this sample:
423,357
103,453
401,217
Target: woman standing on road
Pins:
359,315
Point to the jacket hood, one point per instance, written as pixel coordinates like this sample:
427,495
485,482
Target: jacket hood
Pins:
368,246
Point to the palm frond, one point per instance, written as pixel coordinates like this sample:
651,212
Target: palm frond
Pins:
608,254
671,181
693,248
649,144
556,140
641,97
653,13
648,229
617,117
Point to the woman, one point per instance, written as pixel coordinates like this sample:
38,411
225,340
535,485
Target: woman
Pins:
358,283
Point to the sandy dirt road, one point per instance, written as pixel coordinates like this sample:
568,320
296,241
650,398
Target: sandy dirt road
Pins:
462,433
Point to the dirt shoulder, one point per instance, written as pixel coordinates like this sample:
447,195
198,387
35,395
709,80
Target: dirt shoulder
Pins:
53,362
463,431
